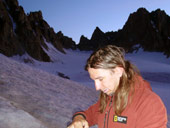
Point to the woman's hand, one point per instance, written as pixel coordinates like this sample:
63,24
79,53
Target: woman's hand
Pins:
79,122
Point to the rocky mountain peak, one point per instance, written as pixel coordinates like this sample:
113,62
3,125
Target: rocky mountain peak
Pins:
21,33
97,32
66,42
141,11
12,4
151,31
37,16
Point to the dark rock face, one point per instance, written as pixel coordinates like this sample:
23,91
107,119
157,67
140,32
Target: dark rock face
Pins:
97,40
162,23
9,43
65,41
150,30
85,44
143,28
20,33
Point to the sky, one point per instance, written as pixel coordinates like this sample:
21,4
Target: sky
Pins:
76,17
53,98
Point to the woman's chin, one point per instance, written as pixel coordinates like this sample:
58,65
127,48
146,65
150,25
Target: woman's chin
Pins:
109,93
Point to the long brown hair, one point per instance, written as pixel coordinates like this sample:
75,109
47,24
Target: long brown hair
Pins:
110,57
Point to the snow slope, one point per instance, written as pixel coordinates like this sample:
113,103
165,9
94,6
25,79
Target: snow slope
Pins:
30,95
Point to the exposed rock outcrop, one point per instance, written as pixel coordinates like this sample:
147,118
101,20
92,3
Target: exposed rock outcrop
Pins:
150,30
85,44
65,41
98,39
145,28
20,33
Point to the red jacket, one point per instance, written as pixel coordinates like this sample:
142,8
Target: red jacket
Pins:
145,111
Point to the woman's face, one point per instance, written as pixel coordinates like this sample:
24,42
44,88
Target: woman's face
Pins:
106,80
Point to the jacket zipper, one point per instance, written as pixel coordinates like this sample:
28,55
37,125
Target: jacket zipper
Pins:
108,117
107,112
105,119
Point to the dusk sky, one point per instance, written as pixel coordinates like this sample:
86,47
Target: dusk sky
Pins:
80,17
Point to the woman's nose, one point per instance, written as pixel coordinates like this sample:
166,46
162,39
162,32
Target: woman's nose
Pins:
97,86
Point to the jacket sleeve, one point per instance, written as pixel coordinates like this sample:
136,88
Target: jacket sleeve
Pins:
91,114
152,113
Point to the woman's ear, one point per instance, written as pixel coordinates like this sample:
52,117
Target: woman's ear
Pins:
119,71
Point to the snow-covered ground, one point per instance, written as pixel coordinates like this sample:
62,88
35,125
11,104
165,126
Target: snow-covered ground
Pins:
154,67
33,98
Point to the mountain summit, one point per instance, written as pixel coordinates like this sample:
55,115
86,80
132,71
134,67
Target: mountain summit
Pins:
27,33
151,31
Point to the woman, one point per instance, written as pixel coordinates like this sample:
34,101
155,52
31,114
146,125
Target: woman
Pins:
126,100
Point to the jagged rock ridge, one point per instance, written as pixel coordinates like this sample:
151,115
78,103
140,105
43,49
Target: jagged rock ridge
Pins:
20,33
150,30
